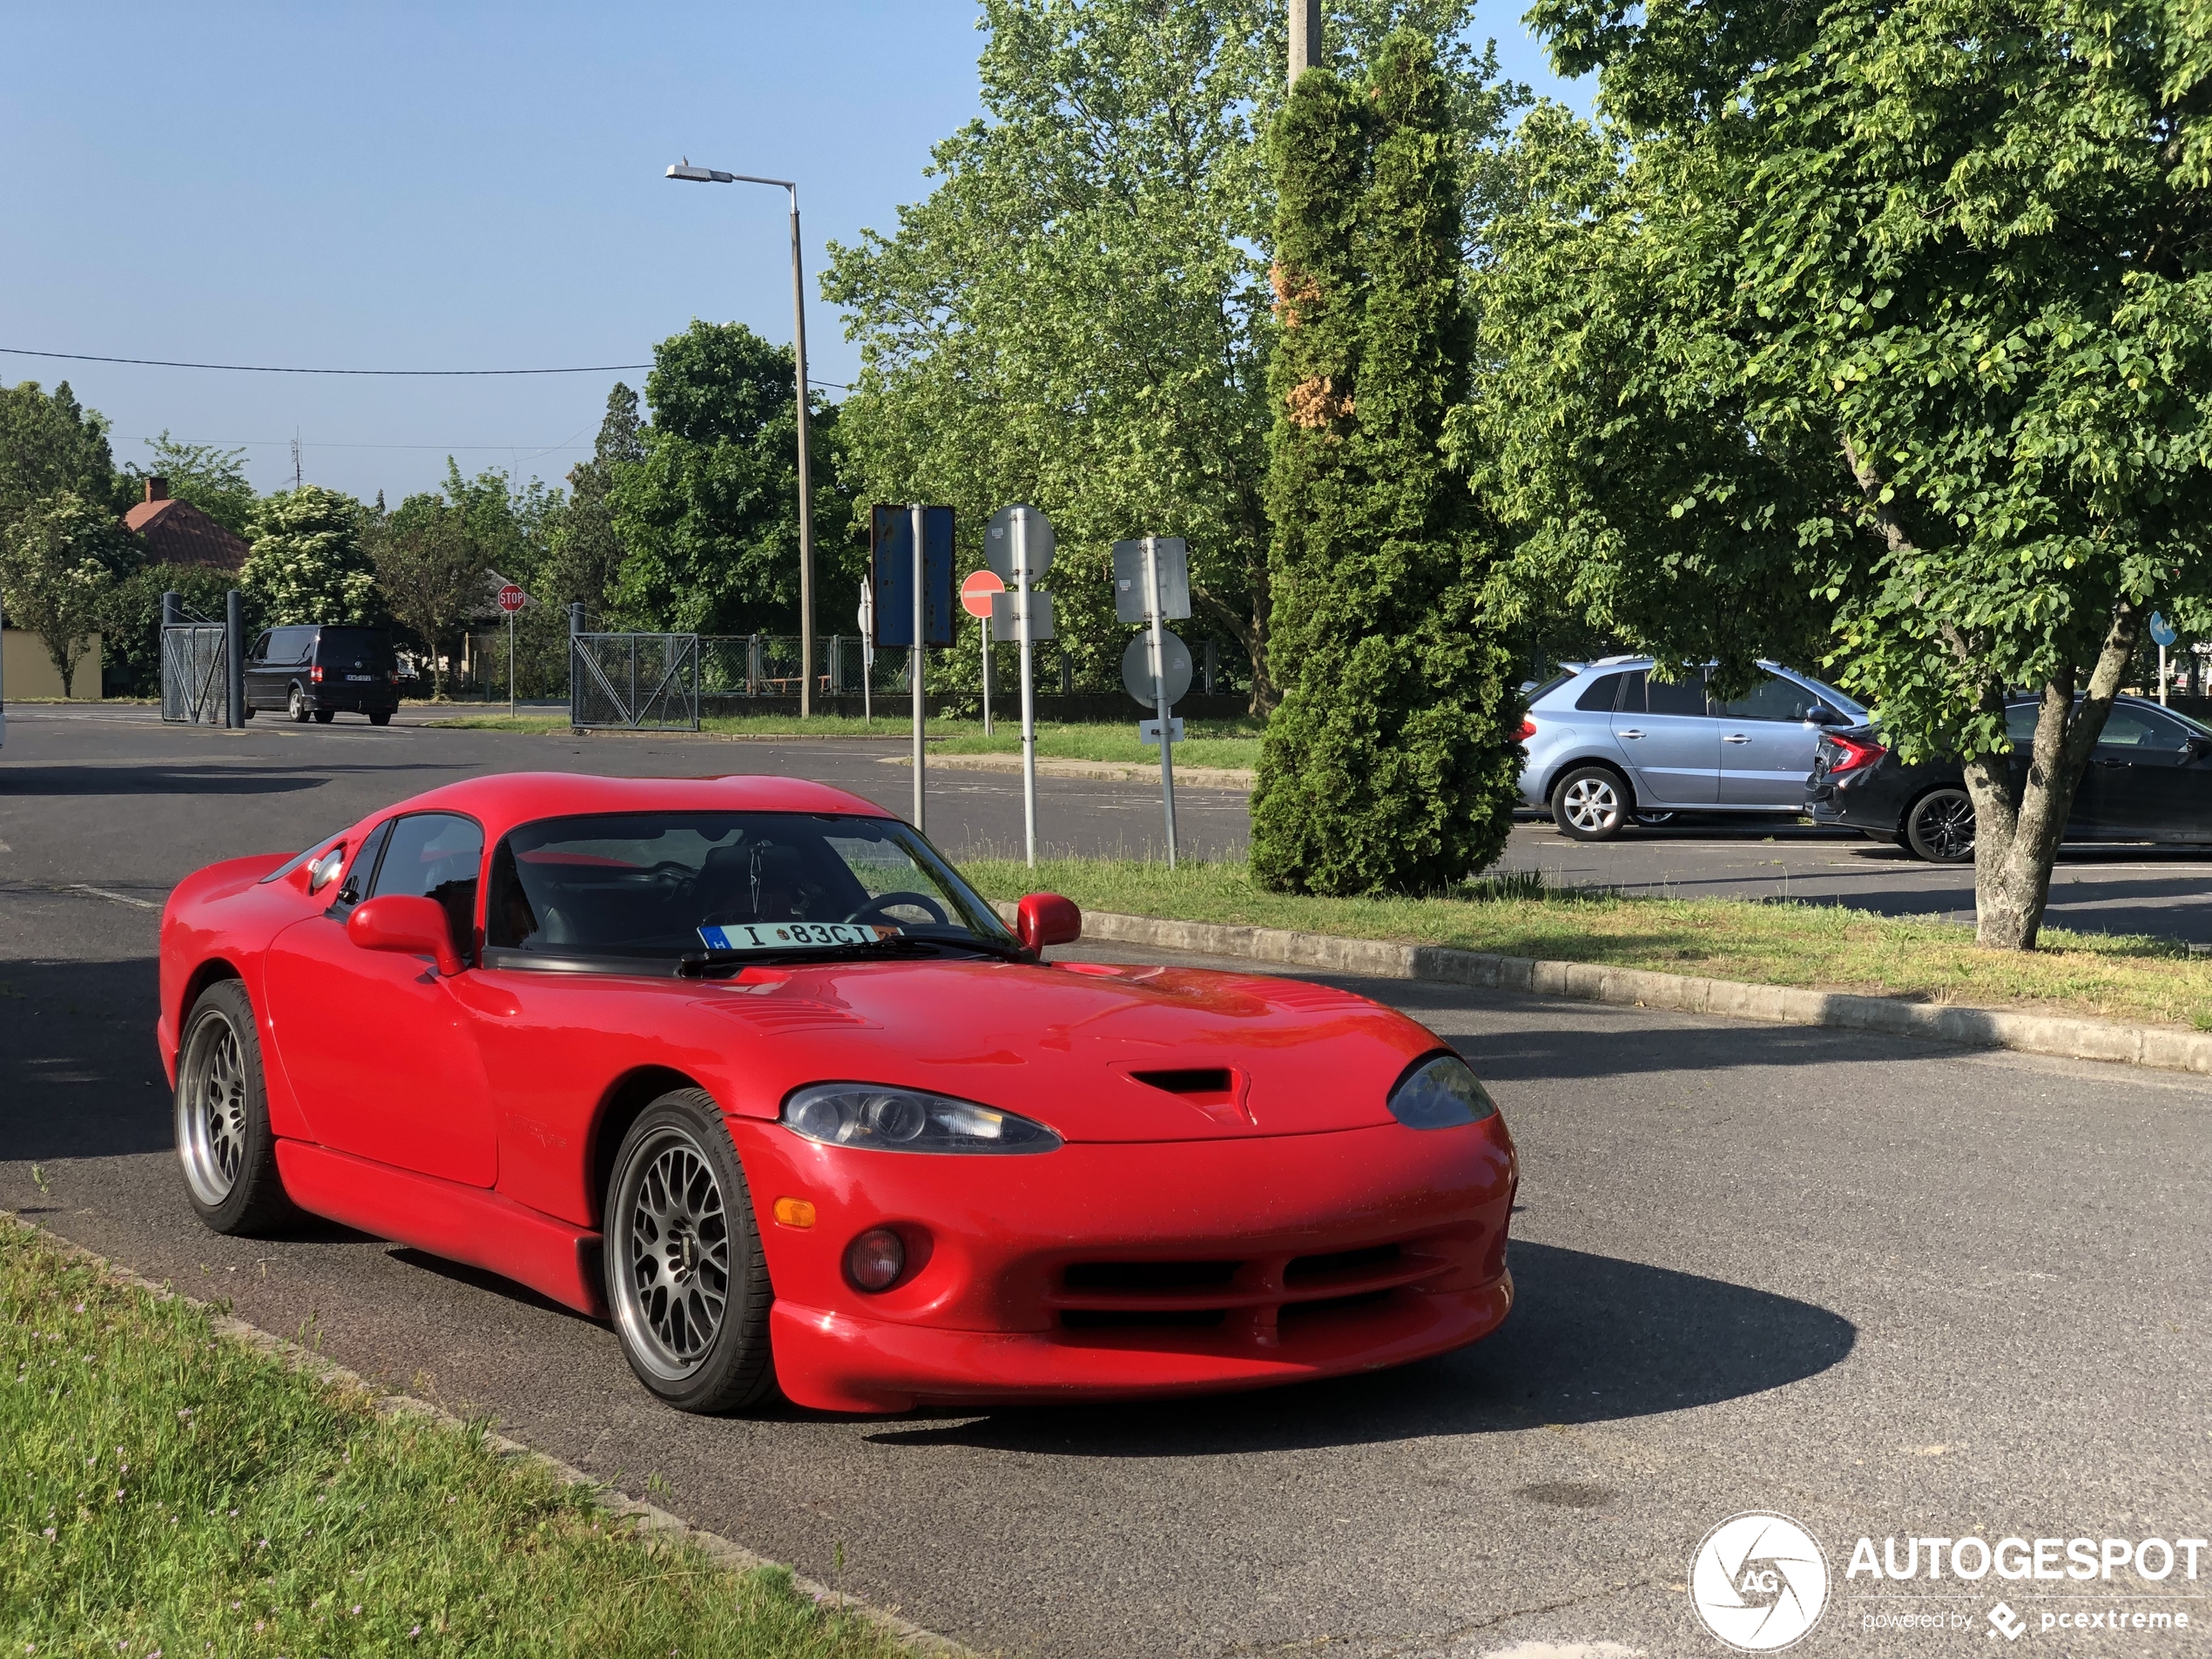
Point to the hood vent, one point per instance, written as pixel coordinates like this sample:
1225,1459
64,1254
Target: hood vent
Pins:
1216,1083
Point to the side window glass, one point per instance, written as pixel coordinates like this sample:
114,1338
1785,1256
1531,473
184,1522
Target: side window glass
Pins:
435,856
260,651
2129,729
1772,699
1599,696
1674,696
2020,723
363,867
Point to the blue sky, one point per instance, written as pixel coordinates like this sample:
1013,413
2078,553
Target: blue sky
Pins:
447,187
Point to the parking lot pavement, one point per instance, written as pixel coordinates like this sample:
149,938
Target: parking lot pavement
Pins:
1888,1290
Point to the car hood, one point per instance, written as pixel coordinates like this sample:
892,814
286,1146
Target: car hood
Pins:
1098,1053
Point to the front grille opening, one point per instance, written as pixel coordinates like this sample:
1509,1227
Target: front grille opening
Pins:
1150,1276
1194,1081
1304,1270
1300,1312
1139,1318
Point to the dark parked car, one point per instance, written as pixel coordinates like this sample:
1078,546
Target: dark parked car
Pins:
2150,779
313,671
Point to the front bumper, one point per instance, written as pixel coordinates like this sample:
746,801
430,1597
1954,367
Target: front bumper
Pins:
1113,1271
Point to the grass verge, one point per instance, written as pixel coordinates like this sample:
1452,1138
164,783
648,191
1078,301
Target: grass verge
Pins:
1208,743
169,1490
2109,976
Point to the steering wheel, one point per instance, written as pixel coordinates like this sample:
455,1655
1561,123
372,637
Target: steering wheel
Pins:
886,901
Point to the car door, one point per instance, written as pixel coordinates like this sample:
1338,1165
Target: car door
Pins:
379,1049
1672,744
257,673
1766,745
2145,780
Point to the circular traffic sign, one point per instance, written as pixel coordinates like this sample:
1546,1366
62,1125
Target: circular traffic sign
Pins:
512,598
1136,667
999,542
2162,632
975,592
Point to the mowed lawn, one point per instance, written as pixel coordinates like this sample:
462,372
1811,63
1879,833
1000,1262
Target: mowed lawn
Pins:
167,1491
1815,946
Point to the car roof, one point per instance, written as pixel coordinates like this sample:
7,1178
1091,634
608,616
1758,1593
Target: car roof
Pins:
501,801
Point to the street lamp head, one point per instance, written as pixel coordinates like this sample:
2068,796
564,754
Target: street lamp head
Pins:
702,175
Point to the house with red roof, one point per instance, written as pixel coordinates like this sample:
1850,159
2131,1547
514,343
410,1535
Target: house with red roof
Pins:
176,532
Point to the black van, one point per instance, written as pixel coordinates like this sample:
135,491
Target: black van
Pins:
316,671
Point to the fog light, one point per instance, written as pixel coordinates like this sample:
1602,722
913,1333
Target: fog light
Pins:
794,1212
876,1258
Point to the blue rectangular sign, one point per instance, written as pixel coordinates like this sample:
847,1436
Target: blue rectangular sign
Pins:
892,553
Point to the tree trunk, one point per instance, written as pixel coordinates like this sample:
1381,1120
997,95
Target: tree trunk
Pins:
2016,841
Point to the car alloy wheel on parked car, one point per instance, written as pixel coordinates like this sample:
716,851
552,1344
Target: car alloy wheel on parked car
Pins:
1940,826
223,1133
1591,804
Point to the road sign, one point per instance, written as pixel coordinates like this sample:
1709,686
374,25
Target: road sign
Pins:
1000,543
975,592
2161,632
512,598
891,541
1006,614
1137,668
1147,732
1132,587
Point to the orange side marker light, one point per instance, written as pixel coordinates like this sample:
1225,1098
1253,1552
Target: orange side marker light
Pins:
794,1212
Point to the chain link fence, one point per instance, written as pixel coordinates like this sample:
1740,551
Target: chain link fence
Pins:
195,680
768,665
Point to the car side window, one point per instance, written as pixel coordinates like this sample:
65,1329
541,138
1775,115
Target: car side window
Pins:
260,651
290,644
2019,723
434,855
1645,695
363,868
2127,728
1599,695
1772,699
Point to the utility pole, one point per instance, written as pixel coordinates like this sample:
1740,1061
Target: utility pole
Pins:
1305,37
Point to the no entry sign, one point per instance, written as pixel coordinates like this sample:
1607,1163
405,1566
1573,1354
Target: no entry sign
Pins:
975,592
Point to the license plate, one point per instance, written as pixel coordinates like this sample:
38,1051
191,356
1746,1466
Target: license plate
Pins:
787,935
362,679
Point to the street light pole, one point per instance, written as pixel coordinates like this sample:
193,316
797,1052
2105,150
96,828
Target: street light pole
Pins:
715,176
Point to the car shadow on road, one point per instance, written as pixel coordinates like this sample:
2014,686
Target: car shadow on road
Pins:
79,1074
66,782
1591,1339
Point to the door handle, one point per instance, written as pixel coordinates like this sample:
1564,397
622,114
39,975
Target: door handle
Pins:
1630,733
1737,737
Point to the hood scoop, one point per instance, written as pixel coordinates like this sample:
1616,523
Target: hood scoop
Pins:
1218,1091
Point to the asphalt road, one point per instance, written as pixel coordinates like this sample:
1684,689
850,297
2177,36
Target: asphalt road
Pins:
1886,1289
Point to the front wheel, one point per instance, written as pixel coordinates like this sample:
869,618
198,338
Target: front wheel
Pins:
686,1276
1591,804
223,1134
1940,826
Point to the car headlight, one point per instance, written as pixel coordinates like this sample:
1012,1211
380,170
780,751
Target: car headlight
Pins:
1441,1093
906,1120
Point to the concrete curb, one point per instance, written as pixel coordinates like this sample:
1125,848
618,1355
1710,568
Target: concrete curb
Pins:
2161,1047
654,1524
1117,771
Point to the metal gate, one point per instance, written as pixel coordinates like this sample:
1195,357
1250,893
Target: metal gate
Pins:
195,687
635,681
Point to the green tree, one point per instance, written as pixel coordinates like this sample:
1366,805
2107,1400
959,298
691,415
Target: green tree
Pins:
130,619
50,444
1390,765
1907,305
1078,315
583,553
708,518
430,561
59,561
210,477
307,563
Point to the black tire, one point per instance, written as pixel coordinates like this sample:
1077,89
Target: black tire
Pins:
222,1119
1940,826
323,717
1592,804
295,704
246,712
680,1232
379,717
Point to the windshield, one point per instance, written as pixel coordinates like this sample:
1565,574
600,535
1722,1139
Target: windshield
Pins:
668,886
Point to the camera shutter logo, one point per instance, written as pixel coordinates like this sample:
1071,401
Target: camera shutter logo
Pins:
1759,1582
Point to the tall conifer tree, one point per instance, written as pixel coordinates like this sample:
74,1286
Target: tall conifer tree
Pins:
1390,765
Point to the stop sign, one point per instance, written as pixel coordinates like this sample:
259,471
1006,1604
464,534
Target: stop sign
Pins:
512,598
975,593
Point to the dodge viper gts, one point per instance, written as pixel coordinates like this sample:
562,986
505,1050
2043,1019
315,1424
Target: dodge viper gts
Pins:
743,1066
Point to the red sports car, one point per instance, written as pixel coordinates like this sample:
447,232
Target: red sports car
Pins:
746,1065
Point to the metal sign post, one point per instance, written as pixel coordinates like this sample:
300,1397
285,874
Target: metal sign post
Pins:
916,659
976,596
911,571
867,653
2164,632
1160,688
511,600
1152,582
1019,546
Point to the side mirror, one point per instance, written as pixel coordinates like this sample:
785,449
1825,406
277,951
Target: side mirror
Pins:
415,927
1821,714
1043,919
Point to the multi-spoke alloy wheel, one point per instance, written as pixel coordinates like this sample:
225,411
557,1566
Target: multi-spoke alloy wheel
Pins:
1941,828
684,1273
1590,803
223,1137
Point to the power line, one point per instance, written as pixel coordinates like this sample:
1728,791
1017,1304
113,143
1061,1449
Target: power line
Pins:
259,368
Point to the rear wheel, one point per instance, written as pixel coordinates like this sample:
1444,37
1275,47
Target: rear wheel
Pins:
1591,804
295,704
379,717
223,1134
1940,826
686,1276
323,717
